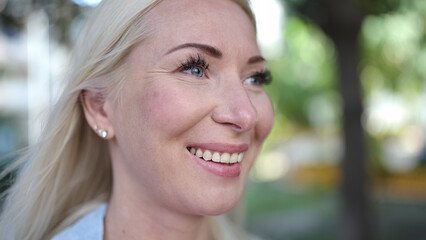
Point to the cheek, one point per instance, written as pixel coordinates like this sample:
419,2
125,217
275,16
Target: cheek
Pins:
266,117
169,109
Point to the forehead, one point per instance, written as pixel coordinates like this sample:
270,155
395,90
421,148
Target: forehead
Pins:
220,23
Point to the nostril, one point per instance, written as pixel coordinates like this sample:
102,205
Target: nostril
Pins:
237,119
233,125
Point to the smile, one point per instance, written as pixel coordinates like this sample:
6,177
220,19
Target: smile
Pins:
218,157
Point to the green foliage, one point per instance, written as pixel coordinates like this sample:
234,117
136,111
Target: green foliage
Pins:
379,6
280,196
392,67
393,47
304,72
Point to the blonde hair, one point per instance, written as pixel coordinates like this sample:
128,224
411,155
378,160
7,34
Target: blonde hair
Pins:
68,172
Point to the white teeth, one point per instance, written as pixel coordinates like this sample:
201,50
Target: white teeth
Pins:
234,158
227,158
199,153
207,155
216,157
240,157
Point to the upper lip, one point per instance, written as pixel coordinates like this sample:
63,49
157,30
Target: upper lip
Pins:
221,147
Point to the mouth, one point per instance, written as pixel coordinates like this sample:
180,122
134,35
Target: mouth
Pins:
215,156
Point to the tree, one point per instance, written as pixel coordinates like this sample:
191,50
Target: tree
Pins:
60,13
341,21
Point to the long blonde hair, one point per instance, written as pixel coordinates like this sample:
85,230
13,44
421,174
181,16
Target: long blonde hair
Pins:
68,171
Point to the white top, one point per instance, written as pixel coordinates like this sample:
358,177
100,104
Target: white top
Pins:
89,227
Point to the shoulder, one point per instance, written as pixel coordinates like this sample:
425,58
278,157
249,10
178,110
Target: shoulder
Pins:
89,227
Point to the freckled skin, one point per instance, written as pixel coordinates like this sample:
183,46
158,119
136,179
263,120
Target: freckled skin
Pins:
164,109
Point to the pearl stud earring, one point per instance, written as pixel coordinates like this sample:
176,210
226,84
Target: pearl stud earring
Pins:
101,132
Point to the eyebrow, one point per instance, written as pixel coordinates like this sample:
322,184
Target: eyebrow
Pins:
256,59
212,51
205,48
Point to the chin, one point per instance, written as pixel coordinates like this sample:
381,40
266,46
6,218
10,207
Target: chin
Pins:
218,205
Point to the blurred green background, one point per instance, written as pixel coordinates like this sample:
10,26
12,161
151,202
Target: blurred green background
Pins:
346,158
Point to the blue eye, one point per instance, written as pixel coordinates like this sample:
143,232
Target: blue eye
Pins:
195,71
252,81
260,78
195,66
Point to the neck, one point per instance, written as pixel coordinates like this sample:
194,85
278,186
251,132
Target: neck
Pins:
126,220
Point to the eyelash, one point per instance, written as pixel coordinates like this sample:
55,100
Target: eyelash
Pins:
264,77
194,61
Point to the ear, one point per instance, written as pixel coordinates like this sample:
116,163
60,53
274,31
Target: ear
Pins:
96,110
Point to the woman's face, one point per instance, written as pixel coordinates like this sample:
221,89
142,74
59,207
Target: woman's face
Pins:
194,84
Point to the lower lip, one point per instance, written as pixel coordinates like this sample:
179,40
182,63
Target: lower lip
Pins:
219,169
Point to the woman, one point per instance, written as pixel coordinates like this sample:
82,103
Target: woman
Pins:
162,118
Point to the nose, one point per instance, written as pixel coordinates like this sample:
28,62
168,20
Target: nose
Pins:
236,109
